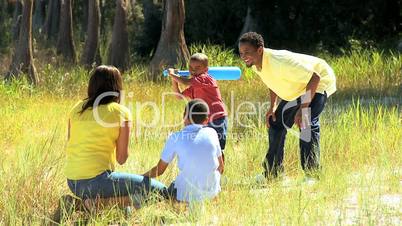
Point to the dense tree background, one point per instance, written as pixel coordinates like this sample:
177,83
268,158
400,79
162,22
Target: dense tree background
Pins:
293,24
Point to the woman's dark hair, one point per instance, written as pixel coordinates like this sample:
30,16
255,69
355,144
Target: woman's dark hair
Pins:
103,79
196,111
252,38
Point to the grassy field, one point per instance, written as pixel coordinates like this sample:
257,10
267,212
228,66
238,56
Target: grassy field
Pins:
361,140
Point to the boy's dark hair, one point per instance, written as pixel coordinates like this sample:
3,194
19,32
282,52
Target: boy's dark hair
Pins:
252,38
196,111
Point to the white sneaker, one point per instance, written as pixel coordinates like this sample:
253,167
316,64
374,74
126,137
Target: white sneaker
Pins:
260,179
309,181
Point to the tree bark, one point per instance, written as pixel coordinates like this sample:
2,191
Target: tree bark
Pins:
16,19
65,43
51,26
118,49
22,61
91,52
172,48
39,15
103,16
84,22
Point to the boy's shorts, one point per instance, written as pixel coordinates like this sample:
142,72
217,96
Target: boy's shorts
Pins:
221,126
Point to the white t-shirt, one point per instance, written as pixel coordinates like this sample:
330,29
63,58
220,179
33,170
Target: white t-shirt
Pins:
197,148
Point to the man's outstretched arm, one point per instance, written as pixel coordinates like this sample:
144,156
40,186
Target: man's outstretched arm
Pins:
157,170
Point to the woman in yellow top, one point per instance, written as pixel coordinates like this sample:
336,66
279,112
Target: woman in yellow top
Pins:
303,83
98,137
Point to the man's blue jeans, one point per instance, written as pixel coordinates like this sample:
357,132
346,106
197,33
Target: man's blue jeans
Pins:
309,139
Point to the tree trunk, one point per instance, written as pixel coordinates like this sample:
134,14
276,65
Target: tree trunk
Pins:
118,49
91,50
22,60
39,15
65,43
51,26
84,22
16,19
103,16
172,48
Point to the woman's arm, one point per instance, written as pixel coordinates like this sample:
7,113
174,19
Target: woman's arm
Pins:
122,143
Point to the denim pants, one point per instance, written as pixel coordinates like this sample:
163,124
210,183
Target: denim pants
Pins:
309,140
113,184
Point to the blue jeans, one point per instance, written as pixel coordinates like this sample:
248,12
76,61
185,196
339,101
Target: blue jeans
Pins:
309,141
113,184
221,126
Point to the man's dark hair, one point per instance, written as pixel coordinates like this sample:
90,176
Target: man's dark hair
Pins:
196,111
253,39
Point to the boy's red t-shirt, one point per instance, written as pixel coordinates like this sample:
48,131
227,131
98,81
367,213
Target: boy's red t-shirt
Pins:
204,87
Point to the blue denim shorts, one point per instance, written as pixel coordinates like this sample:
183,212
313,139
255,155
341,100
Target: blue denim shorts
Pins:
221,126
113,184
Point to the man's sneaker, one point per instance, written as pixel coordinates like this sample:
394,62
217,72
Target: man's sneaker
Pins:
310,181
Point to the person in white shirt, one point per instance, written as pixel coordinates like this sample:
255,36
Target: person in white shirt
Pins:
199,157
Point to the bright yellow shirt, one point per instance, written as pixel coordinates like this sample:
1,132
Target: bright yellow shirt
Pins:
287,73
91,148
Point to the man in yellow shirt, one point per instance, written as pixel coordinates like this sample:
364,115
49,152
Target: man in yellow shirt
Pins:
302,83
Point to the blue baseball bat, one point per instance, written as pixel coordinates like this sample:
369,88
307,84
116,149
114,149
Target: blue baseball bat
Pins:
218,73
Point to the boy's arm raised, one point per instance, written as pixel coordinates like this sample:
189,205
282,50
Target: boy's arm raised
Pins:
178,79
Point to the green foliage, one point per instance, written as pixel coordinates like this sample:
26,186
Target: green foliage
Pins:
359,72
145,28
304,24
5,26
216,22
79,10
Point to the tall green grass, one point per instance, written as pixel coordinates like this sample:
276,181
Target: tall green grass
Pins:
359,72
361,149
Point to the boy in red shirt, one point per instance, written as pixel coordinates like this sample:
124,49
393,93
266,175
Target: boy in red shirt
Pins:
202,86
